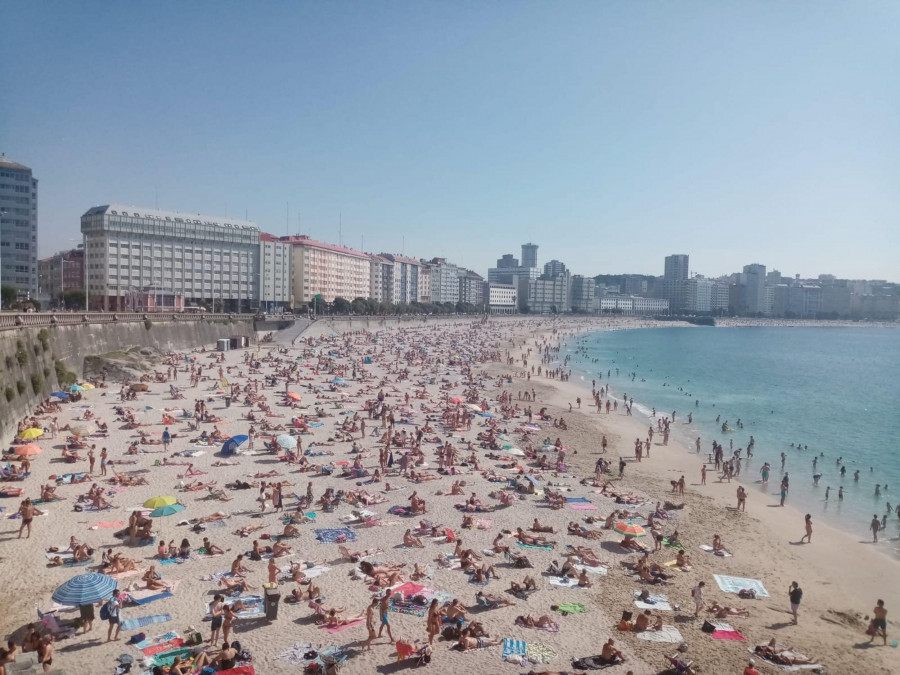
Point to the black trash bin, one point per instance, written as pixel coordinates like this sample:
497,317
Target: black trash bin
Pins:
270,600
227,401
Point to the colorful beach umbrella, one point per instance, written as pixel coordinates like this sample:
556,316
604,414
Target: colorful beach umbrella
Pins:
157,502
294,396
79,430
629,529
28,450
456,399
75,387
85,589
60,394
86,385
232,444
167,510
286,441
31,433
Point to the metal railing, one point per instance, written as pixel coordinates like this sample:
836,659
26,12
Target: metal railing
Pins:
9,321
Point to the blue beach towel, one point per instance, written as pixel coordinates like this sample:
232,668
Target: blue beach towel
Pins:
577,500
542,548
159,639
511,646
141,621
152,598
332,534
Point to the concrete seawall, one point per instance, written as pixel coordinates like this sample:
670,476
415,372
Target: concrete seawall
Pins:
32,359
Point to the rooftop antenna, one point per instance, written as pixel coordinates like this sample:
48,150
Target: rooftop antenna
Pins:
340,228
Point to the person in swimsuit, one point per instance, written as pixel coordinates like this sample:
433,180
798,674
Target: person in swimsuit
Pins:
879,623
217,614
385,622
26,510
370,623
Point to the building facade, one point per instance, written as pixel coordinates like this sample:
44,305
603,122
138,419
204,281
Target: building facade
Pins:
548,295
327,271
529,255
132,252
583,294
676,273
60,273
403,279
629,305
471,287
444,281
501,298
275,274
18,228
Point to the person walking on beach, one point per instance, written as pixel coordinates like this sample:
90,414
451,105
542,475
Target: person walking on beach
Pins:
370,623
697,595
808,535
764,472
385,622
795,594
875,525
166,439
703,475
879,622
113,607
104,456
741,498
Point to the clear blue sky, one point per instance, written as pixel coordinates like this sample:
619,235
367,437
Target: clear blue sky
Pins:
609,133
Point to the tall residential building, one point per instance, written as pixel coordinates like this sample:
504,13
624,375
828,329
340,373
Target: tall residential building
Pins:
677,271
507,262
549,295
529,255
274,273
471,287
582,293
444,281
425,283
405,279
327,270
381,279
554,268
755,296
132,253
18,227
59,273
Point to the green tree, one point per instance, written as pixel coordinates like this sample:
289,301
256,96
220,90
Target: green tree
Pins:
340,306
8,296
73,298
359,306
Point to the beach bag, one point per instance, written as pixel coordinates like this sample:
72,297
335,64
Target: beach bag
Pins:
747,594
104,612
707,627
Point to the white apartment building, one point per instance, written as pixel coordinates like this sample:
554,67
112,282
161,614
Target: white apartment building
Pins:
18,227
132,252
403,278
444,281
328,271
633,305
501,298
549,296
582,293
425,283
275,274
381,279
471,287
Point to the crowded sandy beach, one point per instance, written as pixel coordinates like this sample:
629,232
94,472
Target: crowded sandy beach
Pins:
441,496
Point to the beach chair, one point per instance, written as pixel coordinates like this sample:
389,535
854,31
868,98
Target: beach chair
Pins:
52,624
404,650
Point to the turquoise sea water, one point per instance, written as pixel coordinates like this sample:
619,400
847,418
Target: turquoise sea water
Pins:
833,390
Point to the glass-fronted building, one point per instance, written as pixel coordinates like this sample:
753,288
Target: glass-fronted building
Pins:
18,228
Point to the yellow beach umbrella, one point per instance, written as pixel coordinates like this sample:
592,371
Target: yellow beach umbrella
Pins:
157,502
87,385
33,432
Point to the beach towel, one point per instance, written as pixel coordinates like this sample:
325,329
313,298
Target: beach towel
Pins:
167,658
667,634
108,525
565,582
659,602
239,670
676,547
728,633
159,639
141,621
803,666
542,548
577,500
64,555
736,584
338,629
253,606
592,570
709,549
146,600
539,653
335,534
163,647
407,589
124,575
478,583
571,608
513,647
583,507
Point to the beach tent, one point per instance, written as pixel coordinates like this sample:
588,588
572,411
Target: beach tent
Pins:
231,446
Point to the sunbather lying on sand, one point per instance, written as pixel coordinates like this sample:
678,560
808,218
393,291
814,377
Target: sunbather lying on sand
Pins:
724,612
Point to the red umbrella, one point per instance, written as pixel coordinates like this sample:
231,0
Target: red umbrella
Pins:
629,529
28,450
456,399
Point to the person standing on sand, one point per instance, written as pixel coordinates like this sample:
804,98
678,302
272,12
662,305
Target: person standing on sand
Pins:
879,622
385,622
795,594
697,595
703,475
104,456
875,525
370,623
764,471
751,668
26,510
113,606
166,438
808,535
741,498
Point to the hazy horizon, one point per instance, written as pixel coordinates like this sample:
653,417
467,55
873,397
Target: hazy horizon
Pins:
610,134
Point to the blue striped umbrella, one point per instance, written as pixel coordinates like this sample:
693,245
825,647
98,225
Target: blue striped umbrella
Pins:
85,589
